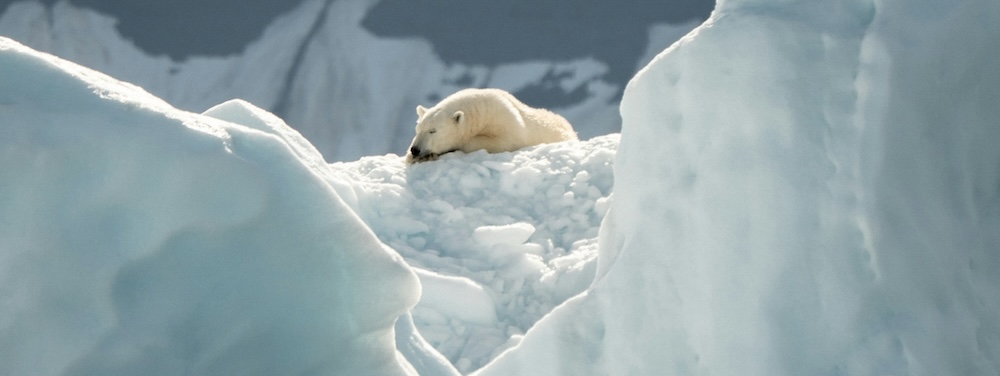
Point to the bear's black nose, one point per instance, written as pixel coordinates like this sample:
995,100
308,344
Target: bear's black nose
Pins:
415,151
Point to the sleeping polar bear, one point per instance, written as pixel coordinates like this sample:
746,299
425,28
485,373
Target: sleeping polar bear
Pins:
490,119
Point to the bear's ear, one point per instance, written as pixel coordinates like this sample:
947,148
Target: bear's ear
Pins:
457,117
421,110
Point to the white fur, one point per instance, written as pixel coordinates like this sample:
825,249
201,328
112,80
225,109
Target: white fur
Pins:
490,119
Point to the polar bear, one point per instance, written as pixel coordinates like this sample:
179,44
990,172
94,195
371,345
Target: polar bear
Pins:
490,119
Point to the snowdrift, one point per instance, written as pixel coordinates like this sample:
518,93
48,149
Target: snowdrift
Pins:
801,188
139,239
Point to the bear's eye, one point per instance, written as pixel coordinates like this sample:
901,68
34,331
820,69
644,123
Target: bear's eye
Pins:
432,131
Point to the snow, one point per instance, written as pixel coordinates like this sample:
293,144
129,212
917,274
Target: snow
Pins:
422,356
218,224
512,234
139,239
800,188
497,240
441,292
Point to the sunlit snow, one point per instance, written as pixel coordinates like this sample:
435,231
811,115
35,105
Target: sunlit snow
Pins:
139,239
497,240
799,188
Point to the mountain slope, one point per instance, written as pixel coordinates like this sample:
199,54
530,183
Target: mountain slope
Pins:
319,66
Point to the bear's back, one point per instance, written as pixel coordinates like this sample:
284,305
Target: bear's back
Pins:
504,123
543,126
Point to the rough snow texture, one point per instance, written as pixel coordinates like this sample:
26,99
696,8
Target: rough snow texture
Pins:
497,240
801,188
139,237
136,239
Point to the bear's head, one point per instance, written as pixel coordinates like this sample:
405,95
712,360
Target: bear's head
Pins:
439,131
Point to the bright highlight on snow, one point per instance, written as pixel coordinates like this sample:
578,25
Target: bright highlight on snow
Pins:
139,239
798,189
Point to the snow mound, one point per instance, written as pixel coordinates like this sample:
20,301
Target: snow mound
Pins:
139,239
498,240
801,188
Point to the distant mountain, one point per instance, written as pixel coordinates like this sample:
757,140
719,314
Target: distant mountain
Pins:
505,32
185,28
348,73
